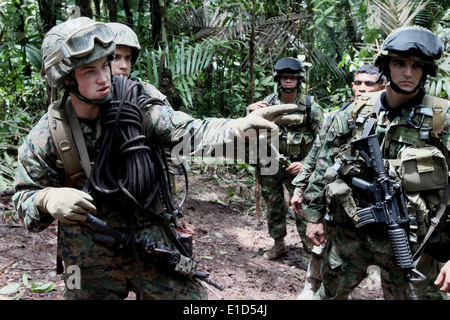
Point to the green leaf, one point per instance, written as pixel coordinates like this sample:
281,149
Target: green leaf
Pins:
46,287
10,288
25,280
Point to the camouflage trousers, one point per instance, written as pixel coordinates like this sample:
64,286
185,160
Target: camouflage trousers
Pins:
351,251
273,193
110,272
114,282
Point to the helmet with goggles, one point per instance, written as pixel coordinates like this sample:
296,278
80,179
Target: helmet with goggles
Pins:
73,44
125,36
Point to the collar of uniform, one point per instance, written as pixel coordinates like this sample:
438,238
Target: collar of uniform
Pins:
391,113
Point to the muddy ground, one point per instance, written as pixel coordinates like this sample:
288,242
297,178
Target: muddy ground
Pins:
229,242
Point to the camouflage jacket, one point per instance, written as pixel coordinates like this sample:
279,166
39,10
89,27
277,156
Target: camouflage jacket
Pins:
296,140
392,130
37,156
309,162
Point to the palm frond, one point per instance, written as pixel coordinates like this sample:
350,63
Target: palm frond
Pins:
389,15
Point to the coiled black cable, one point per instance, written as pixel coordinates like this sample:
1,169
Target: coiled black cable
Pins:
128,171
126,168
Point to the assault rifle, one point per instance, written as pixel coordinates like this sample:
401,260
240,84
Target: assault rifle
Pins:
389,208
181,264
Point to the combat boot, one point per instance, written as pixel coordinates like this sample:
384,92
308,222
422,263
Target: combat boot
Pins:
276,251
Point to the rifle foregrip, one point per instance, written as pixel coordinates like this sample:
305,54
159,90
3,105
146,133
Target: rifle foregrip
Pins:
400,245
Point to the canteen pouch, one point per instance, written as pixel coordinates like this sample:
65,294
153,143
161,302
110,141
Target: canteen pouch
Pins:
295,145
340,201
421,169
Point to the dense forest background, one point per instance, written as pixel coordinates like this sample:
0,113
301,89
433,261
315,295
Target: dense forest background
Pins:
211,58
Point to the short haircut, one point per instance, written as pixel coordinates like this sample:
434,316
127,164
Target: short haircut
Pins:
369,69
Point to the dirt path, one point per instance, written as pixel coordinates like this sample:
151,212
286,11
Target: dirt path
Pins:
229,242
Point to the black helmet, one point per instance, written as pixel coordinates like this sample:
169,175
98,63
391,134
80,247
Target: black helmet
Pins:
288,66
416,42
410,42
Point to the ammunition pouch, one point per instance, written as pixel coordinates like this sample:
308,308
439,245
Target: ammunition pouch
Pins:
339,198
295,144
421,169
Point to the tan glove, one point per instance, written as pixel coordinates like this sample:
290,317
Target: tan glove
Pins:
288,118
263,118
65,204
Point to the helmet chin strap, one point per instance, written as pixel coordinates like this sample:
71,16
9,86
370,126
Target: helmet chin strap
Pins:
72,87
289,90
397,89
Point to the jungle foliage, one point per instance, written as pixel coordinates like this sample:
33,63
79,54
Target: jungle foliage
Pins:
211,58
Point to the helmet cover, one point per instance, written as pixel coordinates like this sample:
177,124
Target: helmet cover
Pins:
72,44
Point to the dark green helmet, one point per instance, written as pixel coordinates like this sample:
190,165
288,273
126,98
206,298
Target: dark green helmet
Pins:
288,66
412,42
415,42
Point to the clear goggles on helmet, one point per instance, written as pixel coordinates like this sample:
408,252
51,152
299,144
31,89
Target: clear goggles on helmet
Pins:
81,43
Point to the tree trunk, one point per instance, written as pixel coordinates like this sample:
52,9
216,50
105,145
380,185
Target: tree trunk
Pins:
85,7
97,7
346,11
128,13
111,6
47,12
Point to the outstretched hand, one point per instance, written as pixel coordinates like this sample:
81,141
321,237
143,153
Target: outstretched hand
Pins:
264,118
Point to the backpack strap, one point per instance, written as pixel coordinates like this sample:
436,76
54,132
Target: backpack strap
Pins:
440,108
271,99
63,137
77,134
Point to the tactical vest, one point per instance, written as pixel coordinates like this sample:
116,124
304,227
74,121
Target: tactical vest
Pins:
419,165
295,140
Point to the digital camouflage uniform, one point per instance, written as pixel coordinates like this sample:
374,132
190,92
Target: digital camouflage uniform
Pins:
110,271
295,143
37,169
351,250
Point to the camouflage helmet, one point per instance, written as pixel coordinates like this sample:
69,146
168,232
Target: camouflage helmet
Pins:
415,42
72,44
288,66
125,36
